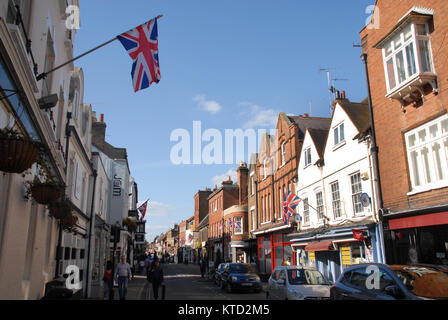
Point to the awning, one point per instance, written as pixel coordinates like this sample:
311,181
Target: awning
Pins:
319,246
424,220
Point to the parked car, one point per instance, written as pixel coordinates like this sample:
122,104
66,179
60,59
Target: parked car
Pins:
297,283
376,281
218,273
240,277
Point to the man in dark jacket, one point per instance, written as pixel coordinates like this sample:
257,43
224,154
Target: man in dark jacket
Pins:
157,278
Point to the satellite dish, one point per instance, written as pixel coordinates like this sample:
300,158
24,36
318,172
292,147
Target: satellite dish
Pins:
365,200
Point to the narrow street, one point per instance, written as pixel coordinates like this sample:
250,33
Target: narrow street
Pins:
184,282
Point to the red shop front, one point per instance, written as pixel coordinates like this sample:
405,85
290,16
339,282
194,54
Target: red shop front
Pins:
273,251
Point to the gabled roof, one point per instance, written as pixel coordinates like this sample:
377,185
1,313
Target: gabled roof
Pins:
319,138
358,113
304,123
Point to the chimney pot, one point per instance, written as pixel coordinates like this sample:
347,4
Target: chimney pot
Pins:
306,115
101,117
342,94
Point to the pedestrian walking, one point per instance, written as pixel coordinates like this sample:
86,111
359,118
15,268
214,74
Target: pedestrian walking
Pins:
107,281
202,267
122,275
157,279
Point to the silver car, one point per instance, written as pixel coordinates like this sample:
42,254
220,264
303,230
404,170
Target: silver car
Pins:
297,283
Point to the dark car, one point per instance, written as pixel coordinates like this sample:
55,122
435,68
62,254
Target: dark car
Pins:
376,281
218,273
240,277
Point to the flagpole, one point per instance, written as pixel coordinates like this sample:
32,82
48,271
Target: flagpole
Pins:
45,74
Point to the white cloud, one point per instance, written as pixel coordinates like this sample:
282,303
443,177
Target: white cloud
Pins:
223,177
158,209
207,105
259,117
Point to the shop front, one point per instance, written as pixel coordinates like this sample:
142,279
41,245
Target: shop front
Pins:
332,251
418,239
273,250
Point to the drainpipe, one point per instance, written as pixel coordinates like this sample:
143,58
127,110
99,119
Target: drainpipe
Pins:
92,224
374,150
67,139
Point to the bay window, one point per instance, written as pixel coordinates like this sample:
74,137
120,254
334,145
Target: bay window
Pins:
407,58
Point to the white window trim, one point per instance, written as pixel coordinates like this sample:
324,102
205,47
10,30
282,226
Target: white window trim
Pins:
242,226
283,153
340,142
433,185
306,165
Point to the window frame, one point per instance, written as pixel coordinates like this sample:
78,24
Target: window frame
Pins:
319,206
414,41
283,152
419,168
337,202
337,141
241,225
307,156
357,204
306,211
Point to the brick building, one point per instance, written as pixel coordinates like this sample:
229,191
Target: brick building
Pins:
219,200
200,212
276,174
407,55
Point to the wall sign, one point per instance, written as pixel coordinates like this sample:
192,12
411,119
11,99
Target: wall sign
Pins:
116,188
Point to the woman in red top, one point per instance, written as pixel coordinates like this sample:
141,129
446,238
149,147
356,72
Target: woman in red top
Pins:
107,279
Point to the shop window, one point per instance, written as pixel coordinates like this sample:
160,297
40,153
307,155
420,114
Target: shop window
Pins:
74,251
67,252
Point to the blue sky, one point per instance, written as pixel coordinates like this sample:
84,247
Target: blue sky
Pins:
229,64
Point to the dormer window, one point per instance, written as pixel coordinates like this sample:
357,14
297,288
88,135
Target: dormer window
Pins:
339,135
407,57
307,155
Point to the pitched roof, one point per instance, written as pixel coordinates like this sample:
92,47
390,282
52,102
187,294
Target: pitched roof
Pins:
320,139
304,123
358,113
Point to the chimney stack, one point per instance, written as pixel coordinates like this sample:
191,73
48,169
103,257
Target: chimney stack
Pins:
306,115
243,176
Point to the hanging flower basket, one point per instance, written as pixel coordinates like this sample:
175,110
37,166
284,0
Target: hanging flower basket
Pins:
17,154
60,209
47,192
69,221
131,224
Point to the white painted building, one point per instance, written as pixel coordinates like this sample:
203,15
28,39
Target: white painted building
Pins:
335,170
28,235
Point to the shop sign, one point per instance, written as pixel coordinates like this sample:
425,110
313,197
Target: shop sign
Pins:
312,256
346,256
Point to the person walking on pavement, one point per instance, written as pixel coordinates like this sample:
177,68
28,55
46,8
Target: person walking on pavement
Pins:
107,279
123,274
157,278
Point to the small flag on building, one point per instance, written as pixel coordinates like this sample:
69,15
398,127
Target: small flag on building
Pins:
358,234
142,209
289,205
142,44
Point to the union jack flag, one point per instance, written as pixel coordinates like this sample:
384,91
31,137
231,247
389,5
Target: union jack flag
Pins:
289,205
142,44
142,209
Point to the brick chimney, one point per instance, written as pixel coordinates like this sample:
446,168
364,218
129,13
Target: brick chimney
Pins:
242,174
99,132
